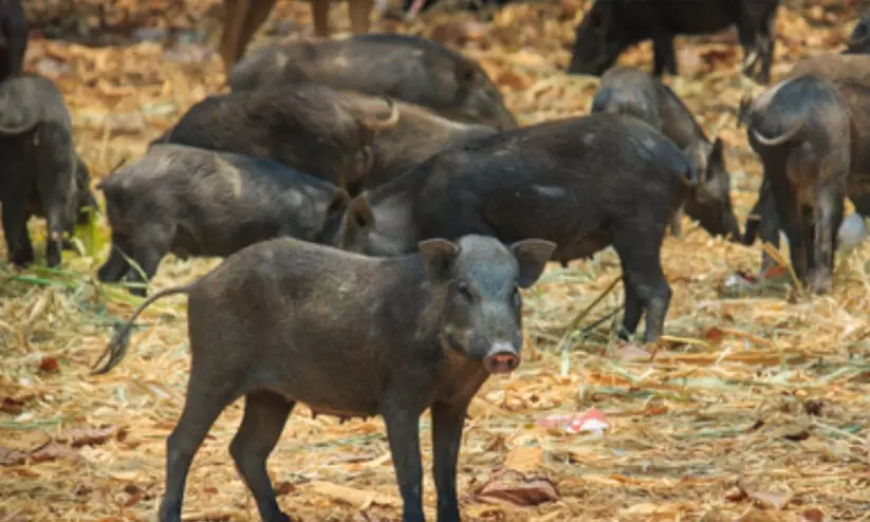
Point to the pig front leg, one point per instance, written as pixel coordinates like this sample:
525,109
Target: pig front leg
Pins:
117,265
18,244
664,57
403,434
148,249
447,424
765,226
646,288
757,34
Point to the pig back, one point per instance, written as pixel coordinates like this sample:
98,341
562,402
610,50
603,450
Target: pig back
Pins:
558,181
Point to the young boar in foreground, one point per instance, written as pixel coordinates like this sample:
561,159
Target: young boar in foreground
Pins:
408,68
626,90
195,202
282,322
802,130
611,26
43,175
583,183
341,137
13,38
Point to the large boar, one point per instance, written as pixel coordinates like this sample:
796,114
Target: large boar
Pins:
196,202
13,38
330,134
407,68
43,175
282,323
802,130
583,183
626,90
611,26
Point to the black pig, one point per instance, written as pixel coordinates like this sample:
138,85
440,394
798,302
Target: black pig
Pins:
13,38
43,175
611,26
334,135
281,322
407,68
626,90
859,40
583,183
802,130
196,202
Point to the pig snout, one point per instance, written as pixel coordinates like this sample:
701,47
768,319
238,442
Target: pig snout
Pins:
501,358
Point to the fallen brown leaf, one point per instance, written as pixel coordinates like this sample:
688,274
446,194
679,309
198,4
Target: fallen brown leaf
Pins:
89,436
11,457
49,365
355,497
767,499
524,459
516,489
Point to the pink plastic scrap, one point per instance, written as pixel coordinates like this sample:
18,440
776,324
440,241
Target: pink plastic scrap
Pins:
592,421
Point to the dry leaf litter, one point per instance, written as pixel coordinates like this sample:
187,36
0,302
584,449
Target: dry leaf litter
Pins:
755,406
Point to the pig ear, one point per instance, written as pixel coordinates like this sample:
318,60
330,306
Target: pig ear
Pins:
360,212
532,256
337,201
465,71
438,255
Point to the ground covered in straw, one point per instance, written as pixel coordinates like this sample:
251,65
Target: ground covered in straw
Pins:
755,407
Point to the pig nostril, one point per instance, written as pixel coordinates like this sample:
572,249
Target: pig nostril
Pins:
501,362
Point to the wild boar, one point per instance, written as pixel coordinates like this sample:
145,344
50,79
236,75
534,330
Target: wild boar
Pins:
583,183
308,127
242,18
849,74
196,202
13,38
859,40
407,68
802,130
281,322
334,135
611,26
43,175
626,90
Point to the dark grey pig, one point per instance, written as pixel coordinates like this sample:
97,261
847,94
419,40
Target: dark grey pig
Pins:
13,38
343,137
281,322
43,175
627,90
408,68
196,202
802,130
583,183
611,26
308,127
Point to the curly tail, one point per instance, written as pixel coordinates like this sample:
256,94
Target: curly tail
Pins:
117,348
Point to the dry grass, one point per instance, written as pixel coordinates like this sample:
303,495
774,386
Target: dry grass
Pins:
753,408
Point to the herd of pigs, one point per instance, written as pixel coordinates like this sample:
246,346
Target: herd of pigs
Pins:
380,210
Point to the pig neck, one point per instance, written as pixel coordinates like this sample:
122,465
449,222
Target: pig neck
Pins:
392,205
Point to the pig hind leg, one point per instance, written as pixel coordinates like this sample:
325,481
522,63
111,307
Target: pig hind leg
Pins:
827,217
646,288
792,222
206,399
766,226
264,419
55,185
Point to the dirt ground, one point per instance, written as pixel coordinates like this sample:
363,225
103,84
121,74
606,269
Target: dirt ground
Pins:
755,406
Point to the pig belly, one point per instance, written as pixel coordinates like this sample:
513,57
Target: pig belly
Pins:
581,247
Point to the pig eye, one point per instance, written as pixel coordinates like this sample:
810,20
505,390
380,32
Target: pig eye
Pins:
464,291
